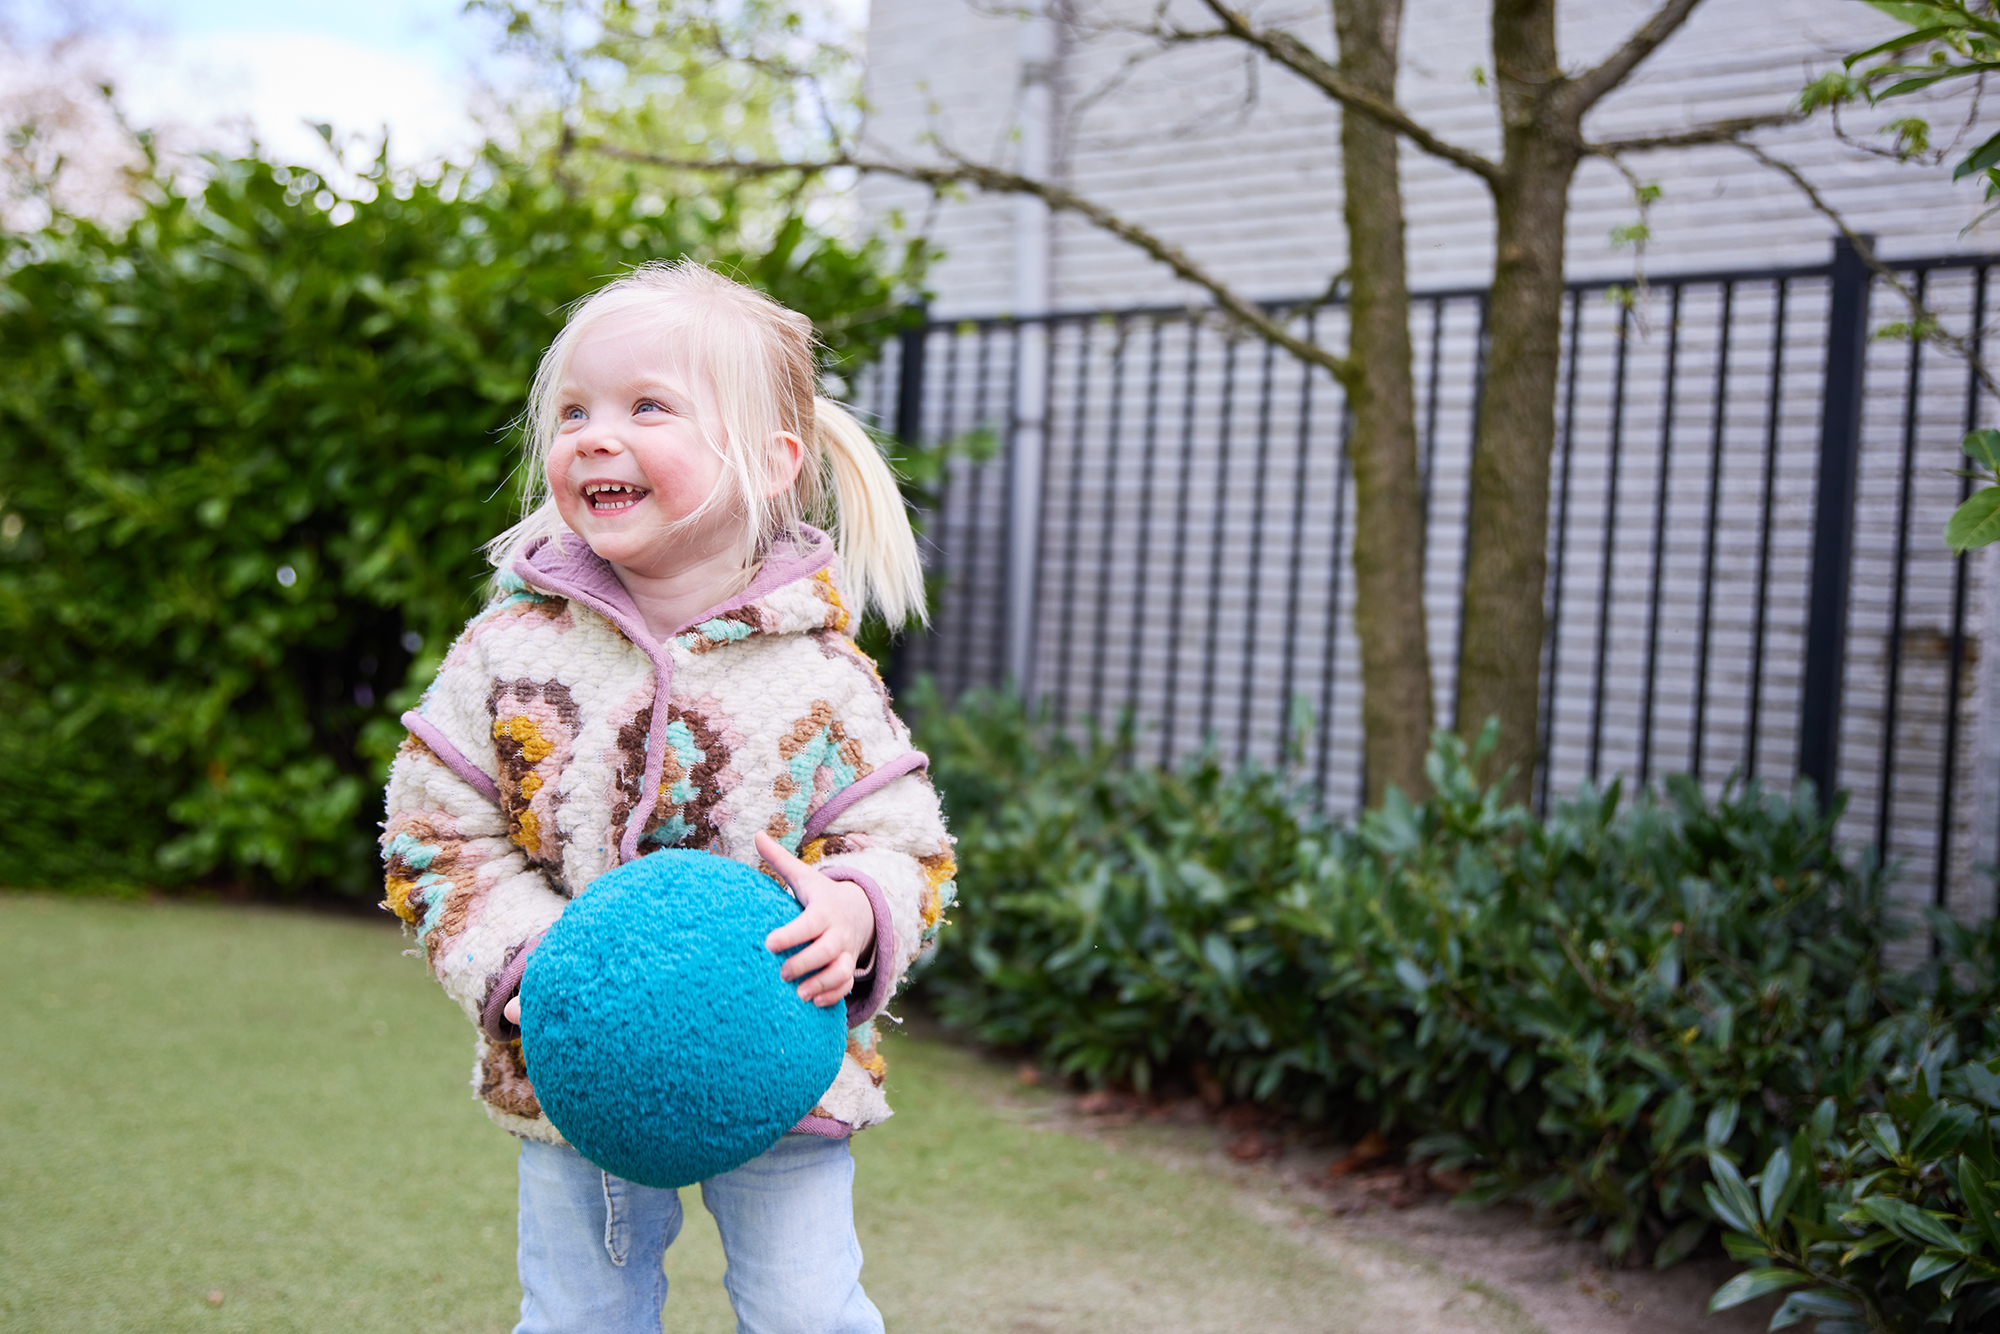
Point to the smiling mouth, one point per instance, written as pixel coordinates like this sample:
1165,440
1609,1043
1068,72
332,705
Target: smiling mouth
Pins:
604,497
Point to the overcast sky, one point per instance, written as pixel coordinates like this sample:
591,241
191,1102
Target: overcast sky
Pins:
222,69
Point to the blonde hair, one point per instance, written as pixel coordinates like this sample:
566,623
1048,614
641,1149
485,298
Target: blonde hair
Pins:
760,358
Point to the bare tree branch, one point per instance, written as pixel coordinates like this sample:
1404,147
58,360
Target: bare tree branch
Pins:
1714,132
1311,66
1922,320
1267,326
1586,88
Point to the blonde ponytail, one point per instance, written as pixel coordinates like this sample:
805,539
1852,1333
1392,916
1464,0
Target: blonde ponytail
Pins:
871,529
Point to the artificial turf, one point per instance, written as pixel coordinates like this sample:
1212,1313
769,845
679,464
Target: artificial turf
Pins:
219,1118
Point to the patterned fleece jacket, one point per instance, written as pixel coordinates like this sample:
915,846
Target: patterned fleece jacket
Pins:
560,740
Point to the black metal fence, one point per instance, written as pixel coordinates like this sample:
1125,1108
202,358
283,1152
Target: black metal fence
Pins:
1747,575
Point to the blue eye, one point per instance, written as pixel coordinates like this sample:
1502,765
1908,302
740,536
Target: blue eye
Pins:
649,405
573,413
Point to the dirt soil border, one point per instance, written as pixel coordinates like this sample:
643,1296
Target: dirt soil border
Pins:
1333,1196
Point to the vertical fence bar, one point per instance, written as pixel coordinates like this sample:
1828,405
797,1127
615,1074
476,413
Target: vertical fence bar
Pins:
1886,783
1711,522
1178,584
1292,575
1329,668
1552,653
1012,659
1037,559
1256,558
911,345
976,484
1431,398
1107,519
1940,888
1210,638
1610,539
1833,519
938,536
1066,605
1662,487
1754,721
1471,449
1149,441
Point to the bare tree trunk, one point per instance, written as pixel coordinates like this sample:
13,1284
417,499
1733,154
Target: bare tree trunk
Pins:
1500,654
1396,700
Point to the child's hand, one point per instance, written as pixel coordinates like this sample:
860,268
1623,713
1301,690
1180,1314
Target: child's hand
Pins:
837,921
513,1011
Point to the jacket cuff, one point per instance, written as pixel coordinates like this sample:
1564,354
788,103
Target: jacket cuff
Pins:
493,1018
881,979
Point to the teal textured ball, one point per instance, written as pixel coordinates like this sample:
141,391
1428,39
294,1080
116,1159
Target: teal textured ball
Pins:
659,1036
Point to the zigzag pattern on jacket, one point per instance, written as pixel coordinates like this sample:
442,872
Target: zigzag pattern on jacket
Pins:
559,740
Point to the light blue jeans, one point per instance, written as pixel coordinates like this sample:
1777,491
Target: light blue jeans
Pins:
593,1246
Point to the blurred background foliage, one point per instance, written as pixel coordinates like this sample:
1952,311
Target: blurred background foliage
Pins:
250,443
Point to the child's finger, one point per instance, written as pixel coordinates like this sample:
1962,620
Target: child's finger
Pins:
811,959
788,867
831,983
808,925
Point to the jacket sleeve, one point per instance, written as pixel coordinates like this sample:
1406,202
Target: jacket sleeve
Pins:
886,834
452,869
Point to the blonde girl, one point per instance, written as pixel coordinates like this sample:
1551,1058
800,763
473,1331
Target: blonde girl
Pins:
668,661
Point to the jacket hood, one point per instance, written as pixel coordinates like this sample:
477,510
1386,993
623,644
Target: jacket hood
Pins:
795,591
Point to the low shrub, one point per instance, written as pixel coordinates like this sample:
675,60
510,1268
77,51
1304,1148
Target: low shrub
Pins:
1586,1012
1885,1219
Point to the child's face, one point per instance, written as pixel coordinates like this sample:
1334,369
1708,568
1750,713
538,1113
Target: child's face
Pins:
629,458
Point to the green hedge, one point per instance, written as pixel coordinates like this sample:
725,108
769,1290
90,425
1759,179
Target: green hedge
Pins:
249,446
1587,1012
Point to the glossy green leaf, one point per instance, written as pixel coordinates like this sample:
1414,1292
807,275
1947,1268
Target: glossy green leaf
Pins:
1980,158
1983,448
1880,1131
1754,1284
1979,1205
1906,1220
1773,1189
1976,522
1744,1248
1721,1122
1729,1196
1814,1304
1899,42
1670,1119
1929,1264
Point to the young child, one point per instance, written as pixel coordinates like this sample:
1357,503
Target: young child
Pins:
668,662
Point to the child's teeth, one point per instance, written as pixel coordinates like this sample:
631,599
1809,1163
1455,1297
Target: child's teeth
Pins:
605,496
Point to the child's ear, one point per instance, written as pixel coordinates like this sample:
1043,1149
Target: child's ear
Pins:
788,455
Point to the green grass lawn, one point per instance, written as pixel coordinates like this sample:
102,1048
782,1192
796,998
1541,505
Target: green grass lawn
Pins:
273,1107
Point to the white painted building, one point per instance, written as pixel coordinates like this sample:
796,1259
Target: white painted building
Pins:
1122,434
